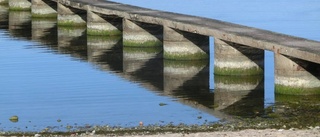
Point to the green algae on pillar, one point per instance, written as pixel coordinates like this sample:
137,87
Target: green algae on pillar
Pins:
235,59
295,76
99,24
138,34
180,45
71,17
44,9
20,5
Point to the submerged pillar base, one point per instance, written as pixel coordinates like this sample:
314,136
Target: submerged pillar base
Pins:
137,34
295,76
235,59
44,9
20,5
180,45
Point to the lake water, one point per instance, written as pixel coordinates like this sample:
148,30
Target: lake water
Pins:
59,78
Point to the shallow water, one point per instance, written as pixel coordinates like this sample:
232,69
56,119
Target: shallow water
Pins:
59,78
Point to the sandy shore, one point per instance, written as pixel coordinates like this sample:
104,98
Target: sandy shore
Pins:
245,133
312,132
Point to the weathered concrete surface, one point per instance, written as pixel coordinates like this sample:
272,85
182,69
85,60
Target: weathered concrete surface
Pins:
68,16
235,59
44,9
20,5
137,34
283,44
180,45
99,24
296,76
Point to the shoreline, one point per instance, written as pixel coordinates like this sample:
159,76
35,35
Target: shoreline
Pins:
311,132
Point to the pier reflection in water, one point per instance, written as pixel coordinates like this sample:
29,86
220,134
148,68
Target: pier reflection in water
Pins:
55,82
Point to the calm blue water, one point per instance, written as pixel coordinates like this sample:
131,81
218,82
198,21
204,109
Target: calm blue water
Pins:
43,81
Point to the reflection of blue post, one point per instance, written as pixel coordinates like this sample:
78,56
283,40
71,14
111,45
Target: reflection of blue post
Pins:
98,24
71,17
180,45
44,9
19,5
295,76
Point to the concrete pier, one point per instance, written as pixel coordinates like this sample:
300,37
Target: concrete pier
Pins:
99,24
44,9
138,34
235,59
239,50
295,76
71,17
180,45
20,5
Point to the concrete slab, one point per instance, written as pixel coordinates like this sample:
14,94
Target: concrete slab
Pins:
279,43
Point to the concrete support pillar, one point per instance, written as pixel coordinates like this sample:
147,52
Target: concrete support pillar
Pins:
20,5
235,59
3,2
98,24
138,34
180,45
44,9
71,17
295,76
239,95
